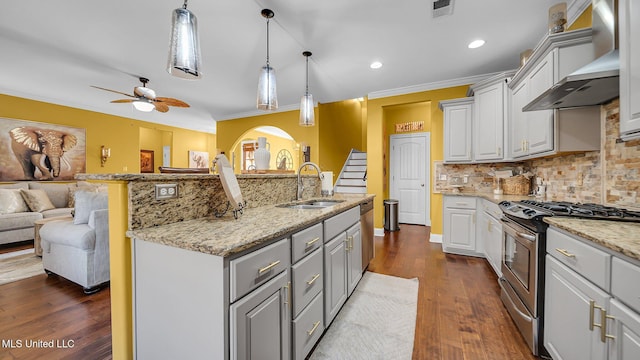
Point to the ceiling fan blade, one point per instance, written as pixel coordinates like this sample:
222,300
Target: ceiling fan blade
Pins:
114,91
122,101
172,102
162,107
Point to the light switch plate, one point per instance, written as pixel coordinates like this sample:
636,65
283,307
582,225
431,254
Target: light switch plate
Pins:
166,191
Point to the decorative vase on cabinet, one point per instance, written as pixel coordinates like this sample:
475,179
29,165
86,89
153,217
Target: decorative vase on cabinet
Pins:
262,154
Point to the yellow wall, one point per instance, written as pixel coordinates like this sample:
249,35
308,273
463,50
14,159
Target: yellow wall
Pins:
341,129
583,21
124,136
377,139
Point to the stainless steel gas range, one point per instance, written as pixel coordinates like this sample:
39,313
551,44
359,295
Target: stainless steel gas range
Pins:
524,248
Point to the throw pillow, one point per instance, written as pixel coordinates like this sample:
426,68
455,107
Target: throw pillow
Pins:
86,202
37,200
12,202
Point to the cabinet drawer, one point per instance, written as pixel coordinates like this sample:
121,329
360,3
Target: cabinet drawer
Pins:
586,260
307,328
307,279
340,222
460,202
624,283
251,270
305,242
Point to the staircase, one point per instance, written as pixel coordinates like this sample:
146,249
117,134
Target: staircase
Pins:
353,177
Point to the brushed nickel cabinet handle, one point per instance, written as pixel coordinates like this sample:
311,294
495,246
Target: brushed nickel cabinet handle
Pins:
313,329
565,253
288,300
603,329
311,242
269,267
313,279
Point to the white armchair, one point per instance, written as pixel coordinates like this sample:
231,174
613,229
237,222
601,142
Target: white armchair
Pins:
79,251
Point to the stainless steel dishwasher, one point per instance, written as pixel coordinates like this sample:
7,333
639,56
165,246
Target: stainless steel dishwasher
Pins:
366,226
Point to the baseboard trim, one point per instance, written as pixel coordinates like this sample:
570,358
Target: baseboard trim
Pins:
435,238
378,232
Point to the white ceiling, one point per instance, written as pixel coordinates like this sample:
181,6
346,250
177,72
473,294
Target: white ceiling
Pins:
54,50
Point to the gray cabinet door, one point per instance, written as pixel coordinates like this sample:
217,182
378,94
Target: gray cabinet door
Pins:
335,276
260,323
354,256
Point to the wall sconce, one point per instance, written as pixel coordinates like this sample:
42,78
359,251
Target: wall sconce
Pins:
105,153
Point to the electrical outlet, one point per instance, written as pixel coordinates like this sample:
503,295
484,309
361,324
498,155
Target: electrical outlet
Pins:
443,177
166,191
465,179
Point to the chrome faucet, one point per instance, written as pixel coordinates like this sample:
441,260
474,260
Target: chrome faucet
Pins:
300,185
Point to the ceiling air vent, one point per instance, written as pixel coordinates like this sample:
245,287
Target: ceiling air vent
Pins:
442,7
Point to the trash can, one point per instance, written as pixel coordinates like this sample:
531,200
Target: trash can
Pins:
391,215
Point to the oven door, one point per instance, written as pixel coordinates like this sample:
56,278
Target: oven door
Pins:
520,262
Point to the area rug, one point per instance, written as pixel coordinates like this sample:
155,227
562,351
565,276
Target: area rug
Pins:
19,265
377,322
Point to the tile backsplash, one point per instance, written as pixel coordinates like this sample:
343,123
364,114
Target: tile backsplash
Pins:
609,176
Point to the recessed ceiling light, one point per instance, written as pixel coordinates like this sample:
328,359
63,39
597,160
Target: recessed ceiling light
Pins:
376,65
476,44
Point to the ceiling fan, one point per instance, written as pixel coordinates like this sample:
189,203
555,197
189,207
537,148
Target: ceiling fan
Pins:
145,99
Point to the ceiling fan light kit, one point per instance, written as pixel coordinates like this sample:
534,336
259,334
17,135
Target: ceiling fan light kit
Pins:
145,99
143,105
184,50
307,115
267,94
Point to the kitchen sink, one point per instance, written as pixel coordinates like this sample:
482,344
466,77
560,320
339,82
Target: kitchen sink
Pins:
310,204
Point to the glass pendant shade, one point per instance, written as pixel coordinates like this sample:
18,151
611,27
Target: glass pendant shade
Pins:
307,115
184,51
142,105
267,95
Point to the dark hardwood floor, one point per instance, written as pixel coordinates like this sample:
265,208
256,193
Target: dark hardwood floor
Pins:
460,315
49,308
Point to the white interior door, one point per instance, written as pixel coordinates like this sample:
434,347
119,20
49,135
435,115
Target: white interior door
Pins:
409,177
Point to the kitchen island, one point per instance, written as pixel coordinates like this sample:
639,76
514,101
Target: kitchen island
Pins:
192,241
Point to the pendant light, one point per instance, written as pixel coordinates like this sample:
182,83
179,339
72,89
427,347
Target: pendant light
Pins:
267,95
307,116
184,50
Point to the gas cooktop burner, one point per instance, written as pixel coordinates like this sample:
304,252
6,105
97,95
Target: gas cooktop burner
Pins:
535,210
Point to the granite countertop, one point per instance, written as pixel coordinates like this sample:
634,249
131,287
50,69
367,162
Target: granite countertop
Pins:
619,236
488,196
226,236
157,176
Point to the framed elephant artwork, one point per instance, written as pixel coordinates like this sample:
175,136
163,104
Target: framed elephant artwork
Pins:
40,151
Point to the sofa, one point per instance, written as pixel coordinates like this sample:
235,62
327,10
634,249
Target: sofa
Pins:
78,248
23,203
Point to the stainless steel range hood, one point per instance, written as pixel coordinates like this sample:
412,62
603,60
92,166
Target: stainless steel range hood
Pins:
596,82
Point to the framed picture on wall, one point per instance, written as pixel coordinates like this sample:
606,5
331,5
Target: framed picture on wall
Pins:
40,151
146,161
198,159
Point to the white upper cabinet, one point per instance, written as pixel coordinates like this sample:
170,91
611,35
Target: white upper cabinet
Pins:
457,129
489,115
546,132
629,30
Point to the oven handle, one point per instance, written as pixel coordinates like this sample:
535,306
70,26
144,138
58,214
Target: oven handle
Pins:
513,305
526,236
